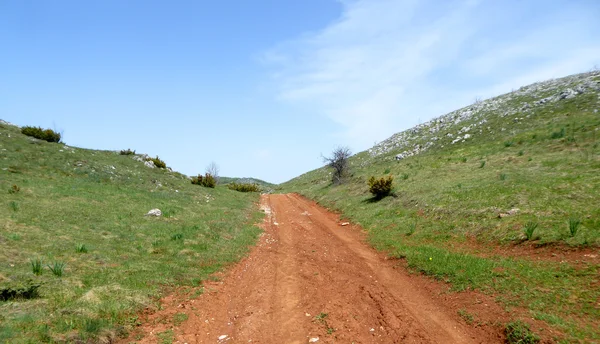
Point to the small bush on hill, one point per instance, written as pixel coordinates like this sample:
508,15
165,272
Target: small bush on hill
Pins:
39,133
339,163
380,187
157,162
244,187
207,181
127,152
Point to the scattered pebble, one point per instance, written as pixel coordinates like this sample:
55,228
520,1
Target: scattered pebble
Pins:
313,340
345,223
221,337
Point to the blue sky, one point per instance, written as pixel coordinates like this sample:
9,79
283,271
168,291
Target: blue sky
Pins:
263,88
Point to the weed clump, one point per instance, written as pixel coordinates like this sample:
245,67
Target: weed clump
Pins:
37,267
244,187
81,248
127,152
207,181
529,229
41,134
157,162
14,189
574,226
518,332
24,290
57,268
558,134
380,187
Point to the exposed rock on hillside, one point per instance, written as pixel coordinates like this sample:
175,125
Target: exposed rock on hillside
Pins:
518,105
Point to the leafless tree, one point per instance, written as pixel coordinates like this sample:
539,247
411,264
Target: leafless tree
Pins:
213,170
339,163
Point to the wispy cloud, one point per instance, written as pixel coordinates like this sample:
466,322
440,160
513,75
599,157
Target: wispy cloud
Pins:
384,65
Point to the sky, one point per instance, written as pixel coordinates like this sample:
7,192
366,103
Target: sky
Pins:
264,88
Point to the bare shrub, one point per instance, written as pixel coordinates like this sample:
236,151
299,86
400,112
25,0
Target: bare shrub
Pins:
339,163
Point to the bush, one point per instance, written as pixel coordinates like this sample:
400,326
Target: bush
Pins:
157,162
339,163
380,187
207,181
244,187
39,133
127,152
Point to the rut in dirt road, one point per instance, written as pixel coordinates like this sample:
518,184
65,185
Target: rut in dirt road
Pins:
311,278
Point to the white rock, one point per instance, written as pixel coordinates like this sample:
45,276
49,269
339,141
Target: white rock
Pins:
221,337
313,340
154,212
149,164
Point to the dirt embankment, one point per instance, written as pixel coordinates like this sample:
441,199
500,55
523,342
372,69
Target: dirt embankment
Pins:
310,279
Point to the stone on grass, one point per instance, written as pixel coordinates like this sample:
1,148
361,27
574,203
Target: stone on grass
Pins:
154,212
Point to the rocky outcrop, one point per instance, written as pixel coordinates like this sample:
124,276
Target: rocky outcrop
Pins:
519,104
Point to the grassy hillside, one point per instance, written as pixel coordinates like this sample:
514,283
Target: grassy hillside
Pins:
82,212
468,184
266,186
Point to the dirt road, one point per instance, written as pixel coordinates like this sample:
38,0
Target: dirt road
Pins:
310,279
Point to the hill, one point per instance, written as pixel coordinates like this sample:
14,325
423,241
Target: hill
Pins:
80,258
266,186
500,196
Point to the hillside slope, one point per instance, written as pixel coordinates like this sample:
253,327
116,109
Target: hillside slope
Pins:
468,184
82,212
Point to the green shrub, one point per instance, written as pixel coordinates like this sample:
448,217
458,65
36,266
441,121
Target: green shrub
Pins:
244,187
380,187
157,162
508,143
39,133
518,332
127,152
207,181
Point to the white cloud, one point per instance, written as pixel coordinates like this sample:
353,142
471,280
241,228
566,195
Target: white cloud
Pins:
385,64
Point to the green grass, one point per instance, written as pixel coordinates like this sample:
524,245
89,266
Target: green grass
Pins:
456,203
85,209
529,229
519,333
